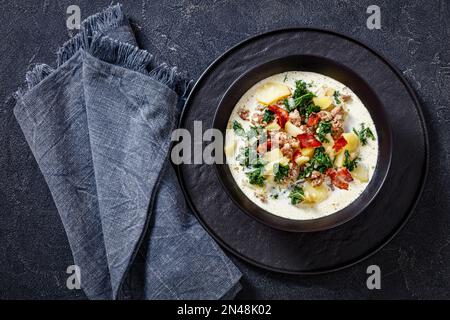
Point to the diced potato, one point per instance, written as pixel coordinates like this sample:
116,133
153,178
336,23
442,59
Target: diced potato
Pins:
268,168
323,102
329,92
315,194
273,126
230,147
308,152
284,161
271,92
292,129
301,160
340,157
329,145
361,173
339,161
273,155
352,141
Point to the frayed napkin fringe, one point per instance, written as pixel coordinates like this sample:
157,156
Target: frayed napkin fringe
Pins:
109,50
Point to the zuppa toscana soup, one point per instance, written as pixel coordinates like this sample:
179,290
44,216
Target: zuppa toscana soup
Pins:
301,145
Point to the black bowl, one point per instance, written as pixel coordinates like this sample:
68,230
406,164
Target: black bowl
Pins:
344,75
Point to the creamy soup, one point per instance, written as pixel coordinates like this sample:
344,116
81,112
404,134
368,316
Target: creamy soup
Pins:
301,145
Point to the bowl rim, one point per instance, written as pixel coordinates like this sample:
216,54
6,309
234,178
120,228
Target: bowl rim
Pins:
329,221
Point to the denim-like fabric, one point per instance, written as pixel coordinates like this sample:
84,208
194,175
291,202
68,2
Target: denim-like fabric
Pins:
53,119
99,127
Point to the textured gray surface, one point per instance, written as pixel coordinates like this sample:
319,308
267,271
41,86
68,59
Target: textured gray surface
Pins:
34,252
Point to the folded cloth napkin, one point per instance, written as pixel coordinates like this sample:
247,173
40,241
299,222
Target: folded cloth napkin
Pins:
99,126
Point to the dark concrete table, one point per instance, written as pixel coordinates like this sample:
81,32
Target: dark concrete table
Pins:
34,252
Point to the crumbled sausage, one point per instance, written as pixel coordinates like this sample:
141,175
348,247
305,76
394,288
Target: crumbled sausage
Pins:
294,171
316,178
337,128
278,139
244,113
305,129
261,196
337,124
257,119
295,118
287,151
337,111
294,143
325,115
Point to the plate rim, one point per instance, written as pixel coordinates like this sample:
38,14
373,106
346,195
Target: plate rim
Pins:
417,104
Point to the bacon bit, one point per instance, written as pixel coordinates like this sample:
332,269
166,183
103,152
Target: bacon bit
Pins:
264,147
297,154
340,178
313,120
308,141
282,115
340,143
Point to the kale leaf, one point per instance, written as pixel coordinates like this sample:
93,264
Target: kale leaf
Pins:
296,195
350,164
281,171
237,127
319,162
322,130
268,116
336,96
363,134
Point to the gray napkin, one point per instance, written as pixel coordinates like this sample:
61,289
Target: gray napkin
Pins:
99,126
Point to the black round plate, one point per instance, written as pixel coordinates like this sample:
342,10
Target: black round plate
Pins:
336,71
348,243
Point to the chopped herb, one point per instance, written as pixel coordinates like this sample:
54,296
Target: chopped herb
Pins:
281,171
322,130
350,164
303,100
275,196
320,162
296,195
310,108
256,177
300,89
285,78
237,127
268,116
363,134
336,96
